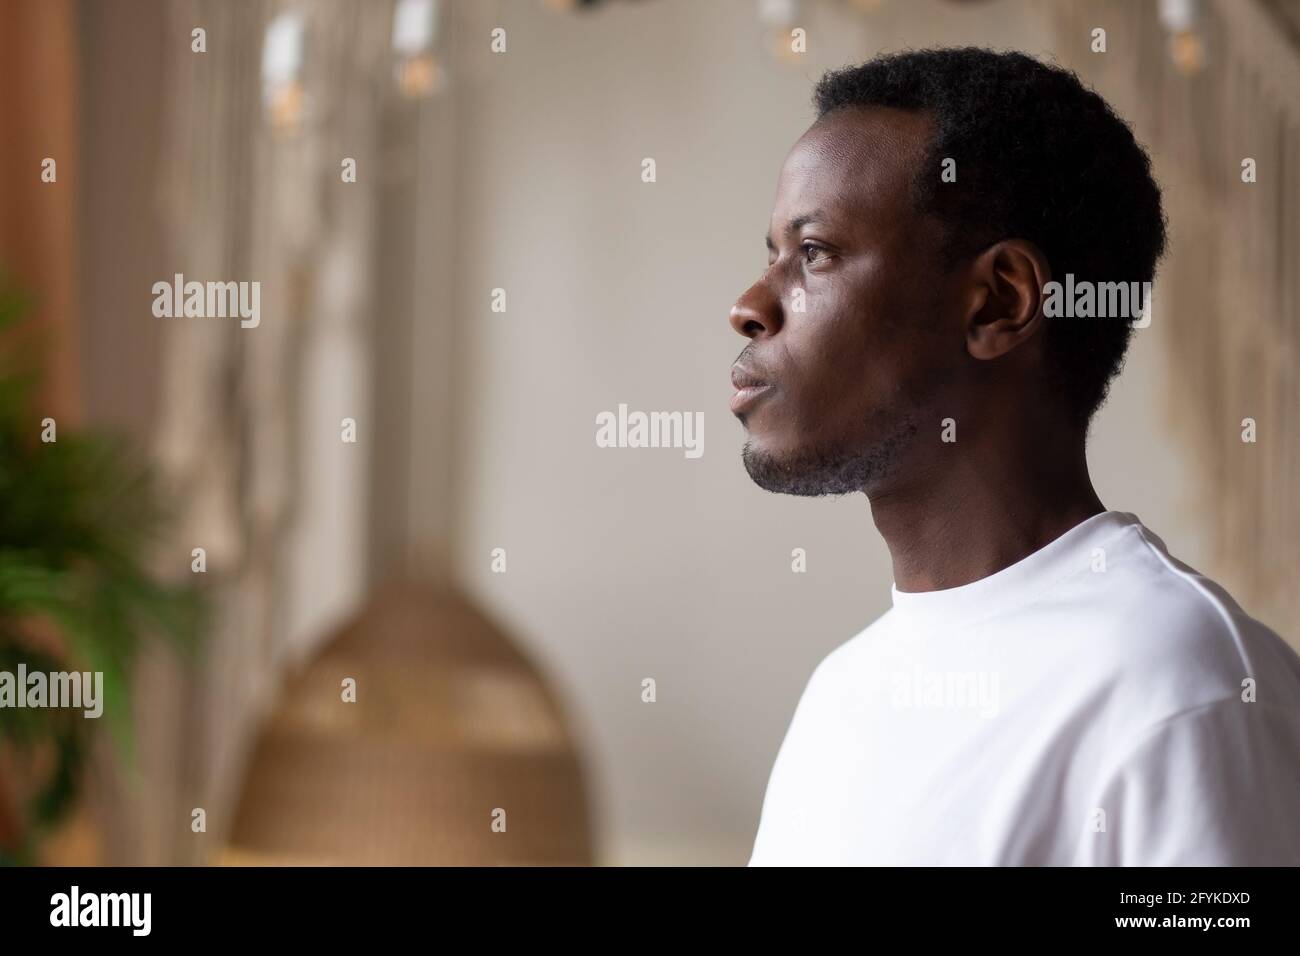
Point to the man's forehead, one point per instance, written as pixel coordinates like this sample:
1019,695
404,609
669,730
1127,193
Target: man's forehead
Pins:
849,158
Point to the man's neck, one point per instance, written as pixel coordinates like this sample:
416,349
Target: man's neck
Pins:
974,512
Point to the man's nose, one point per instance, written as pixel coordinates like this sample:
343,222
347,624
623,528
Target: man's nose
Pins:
757,312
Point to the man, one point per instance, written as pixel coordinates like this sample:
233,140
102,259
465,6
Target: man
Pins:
1050,687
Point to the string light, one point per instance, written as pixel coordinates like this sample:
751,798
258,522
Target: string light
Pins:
417,70
283,96
777,18
1186,45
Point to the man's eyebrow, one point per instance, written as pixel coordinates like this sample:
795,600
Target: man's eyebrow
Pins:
794,225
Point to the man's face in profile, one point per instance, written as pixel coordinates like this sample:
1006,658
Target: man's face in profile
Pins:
839,378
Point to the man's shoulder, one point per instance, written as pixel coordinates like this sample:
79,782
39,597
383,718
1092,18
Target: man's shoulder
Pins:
1158,638
1155,609
1139,624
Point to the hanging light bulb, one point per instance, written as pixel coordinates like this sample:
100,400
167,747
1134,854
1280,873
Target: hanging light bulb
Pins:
282,88
777,18
1186,45
417,70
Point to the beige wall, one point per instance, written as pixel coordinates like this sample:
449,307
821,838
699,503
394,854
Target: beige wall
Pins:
633,563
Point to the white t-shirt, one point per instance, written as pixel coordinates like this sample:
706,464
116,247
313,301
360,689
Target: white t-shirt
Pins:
1096,703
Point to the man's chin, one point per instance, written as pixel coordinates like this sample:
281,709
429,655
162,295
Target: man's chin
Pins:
804,473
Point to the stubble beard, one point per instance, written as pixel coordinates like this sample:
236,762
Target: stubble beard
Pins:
823,471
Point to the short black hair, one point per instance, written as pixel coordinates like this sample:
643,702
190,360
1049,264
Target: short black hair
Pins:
1040,157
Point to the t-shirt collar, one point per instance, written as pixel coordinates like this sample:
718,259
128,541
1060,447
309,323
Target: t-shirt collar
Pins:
1017,583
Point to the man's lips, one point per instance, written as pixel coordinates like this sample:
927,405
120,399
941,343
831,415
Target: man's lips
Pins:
749,388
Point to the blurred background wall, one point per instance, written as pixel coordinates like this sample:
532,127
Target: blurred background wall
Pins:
521,171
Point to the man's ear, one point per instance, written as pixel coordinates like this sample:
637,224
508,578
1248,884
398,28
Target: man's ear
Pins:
1005,303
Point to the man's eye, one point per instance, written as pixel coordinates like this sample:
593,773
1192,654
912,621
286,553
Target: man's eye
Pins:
814,253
